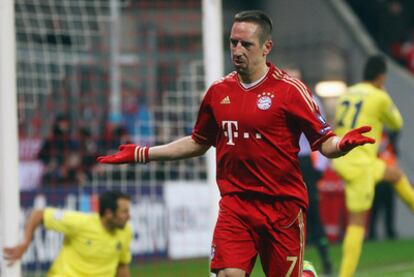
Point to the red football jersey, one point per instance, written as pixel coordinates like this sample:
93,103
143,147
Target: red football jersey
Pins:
256,133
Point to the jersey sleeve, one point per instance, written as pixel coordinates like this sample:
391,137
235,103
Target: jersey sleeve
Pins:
205,128
390,115
63,221
307,113
126,256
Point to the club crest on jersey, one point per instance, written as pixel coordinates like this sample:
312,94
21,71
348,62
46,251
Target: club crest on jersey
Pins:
264,101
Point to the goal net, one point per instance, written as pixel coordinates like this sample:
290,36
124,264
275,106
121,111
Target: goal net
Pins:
91,75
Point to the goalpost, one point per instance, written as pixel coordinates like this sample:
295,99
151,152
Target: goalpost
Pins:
9,188
213,70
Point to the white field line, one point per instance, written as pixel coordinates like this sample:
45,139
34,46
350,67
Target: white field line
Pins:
403,270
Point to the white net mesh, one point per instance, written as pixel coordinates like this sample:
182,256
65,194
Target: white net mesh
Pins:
114,72
52,37
65,67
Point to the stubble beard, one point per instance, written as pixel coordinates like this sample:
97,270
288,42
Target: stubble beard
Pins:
243,72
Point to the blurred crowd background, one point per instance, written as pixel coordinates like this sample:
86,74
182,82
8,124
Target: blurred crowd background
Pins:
66,116
391,24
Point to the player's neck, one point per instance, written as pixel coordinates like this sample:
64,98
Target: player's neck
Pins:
107,226
376,83
254,75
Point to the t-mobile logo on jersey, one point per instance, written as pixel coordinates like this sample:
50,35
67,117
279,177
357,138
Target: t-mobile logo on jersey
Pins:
230,129
229,132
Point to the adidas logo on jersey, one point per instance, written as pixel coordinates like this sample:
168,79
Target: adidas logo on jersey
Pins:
226,100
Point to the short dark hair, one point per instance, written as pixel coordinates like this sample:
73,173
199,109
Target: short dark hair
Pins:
375,66
109,200
260,18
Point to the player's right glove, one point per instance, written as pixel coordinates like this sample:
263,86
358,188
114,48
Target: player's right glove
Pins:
128,153
354,138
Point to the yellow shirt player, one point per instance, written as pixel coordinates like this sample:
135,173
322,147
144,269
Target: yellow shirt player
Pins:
94,245
366,103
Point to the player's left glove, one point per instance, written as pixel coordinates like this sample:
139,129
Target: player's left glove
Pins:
128,153
354,138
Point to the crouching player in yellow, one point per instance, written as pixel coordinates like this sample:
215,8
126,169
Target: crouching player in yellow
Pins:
366,103
94,245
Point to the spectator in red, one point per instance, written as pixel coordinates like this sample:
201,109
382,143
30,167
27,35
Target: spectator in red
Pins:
407,53
393,25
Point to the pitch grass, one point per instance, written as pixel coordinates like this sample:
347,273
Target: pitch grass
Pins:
385,258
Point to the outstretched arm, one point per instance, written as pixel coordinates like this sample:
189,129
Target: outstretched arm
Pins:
12,254
335,147
182,148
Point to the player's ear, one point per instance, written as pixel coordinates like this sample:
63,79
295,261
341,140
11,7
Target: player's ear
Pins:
267,47
108,213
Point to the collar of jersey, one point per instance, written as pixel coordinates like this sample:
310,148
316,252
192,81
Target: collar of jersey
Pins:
255,83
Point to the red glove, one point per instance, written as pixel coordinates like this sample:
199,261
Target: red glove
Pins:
128,153
354,138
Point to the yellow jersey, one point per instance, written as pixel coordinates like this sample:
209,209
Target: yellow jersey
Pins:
88,248
364,104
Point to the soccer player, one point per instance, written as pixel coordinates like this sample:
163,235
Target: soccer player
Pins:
94,245
254,117
366,103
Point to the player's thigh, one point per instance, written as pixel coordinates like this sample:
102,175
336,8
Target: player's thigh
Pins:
282,249
233,243
360,188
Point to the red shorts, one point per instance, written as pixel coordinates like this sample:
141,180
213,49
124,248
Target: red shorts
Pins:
247,226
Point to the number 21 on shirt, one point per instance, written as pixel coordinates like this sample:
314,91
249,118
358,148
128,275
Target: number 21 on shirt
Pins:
349,108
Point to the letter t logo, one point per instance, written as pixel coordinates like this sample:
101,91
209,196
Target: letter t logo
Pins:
229,132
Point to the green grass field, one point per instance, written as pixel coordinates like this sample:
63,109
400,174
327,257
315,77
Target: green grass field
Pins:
384,259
